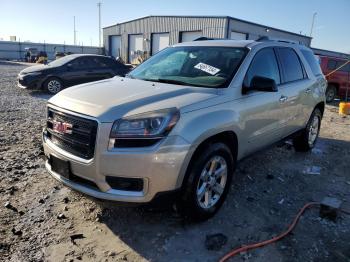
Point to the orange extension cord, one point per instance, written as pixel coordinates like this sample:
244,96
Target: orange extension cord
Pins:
269,241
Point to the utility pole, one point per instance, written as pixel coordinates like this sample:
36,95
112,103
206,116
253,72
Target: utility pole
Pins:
313,22
75,32
99,23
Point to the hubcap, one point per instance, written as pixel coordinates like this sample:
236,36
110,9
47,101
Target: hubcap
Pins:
313,130
330,95
212,182
54,86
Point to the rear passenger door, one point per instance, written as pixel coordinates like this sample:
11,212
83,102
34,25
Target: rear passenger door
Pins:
295,88
78,71
100,69
260,110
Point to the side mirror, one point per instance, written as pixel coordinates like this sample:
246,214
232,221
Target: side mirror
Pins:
263,84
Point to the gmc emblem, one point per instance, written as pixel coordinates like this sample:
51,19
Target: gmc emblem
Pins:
62,127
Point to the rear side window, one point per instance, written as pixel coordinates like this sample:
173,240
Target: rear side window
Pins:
82,63
100,62
313,63
332,64
264,64
291,65
343,66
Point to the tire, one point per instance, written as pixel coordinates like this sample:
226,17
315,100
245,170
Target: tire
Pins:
196,190
53,85
308,137
331,93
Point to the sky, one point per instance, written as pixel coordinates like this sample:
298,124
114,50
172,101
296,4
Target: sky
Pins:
52,20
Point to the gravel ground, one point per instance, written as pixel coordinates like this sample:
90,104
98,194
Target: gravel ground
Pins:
41,220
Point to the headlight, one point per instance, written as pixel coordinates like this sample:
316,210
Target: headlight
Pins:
143,129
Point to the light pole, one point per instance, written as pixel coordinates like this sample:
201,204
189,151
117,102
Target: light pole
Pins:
313,22
99,23
75,32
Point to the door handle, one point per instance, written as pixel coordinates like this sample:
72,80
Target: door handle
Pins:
308,90
283,99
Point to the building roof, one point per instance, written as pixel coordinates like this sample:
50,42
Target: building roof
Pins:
224,17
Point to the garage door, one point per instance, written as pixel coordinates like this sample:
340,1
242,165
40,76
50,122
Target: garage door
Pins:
135,48
190,36
238,36
159,42
114,49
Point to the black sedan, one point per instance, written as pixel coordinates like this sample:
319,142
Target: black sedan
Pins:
70,70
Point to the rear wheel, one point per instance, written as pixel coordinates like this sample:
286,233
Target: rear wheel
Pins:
308,137
331,93
53,85
209,179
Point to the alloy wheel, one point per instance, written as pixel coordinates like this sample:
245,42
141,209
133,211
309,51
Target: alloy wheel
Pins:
54,86
212,182
313,130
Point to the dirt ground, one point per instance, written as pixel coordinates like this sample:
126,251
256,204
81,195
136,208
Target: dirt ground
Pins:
269,188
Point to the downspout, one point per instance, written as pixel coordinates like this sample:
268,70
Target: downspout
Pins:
227,27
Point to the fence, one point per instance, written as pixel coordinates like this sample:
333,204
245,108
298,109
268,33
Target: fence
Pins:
16,50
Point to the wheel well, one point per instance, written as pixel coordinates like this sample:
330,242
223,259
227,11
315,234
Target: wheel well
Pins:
228,137
48,78
320,106
336,85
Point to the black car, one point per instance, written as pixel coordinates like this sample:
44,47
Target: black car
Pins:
70,70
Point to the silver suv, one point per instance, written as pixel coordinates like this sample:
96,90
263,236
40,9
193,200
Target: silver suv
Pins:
179,122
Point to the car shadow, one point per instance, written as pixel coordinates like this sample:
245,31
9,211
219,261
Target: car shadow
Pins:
40,94
267,191
13,63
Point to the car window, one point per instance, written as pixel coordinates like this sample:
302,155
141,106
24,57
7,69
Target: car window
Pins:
291,65
100,62
332,64
82,63
313,62
343,67
264,64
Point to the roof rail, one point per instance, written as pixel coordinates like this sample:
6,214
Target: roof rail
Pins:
204,38
266,38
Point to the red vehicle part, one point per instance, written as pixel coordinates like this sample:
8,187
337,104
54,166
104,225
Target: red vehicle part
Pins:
337,72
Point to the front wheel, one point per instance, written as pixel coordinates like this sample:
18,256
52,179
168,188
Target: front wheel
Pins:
53,85
308,137
209,179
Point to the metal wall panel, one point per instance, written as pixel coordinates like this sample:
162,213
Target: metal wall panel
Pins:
16,50
214,27
210,27
254,31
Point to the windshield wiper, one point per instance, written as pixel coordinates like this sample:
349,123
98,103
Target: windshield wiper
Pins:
172,81
129,76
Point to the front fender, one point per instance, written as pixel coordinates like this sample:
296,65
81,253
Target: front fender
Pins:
197,126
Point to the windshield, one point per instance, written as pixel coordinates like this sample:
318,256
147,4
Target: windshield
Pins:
192,65
61,61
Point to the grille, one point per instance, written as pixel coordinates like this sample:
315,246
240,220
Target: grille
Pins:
81,141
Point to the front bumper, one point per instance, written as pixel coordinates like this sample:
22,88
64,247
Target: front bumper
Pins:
161,167
28,82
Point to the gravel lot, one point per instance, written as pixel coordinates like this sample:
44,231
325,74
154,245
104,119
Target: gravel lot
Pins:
269,188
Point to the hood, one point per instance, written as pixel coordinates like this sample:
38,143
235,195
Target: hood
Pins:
32,69
109,100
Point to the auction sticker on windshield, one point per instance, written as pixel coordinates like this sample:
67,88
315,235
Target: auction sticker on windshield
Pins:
207,68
